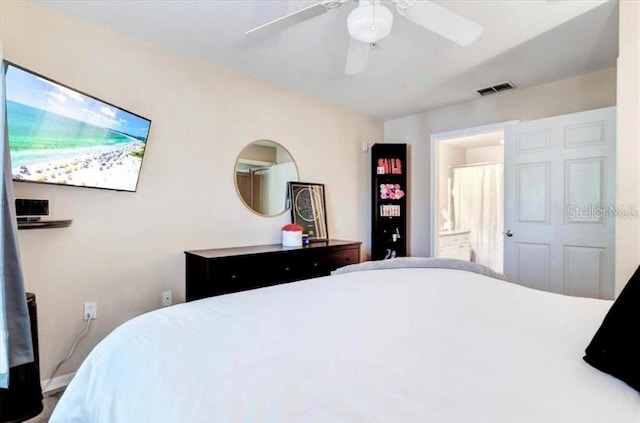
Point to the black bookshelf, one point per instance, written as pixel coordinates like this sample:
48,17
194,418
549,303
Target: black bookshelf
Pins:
389,201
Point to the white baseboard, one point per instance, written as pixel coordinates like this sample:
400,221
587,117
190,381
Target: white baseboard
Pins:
57,383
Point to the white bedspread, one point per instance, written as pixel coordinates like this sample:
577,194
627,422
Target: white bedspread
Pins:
397,346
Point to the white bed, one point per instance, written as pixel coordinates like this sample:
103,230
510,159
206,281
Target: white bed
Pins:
395,345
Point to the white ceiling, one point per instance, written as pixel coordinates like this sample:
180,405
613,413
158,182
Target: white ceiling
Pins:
413,70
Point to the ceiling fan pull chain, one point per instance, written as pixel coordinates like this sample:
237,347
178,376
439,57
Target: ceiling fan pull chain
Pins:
373,15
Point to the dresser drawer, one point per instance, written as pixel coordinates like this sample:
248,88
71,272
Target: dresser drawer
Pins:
235,274
315,266
229,277
324,264
288,268
342,258
448,240
460,251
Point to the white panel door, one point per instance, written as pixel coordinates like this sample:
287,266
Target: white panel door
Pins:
560,210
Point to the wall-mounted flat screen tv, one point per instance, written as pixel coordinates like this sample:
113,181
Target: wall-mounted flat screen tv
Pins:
58,135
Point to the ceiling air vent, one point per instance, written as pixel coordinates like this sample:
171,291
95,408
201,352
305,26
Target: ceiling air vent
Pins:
503,86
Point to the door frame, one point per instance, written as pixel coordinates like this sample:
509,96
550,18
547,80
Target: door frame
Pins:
433,166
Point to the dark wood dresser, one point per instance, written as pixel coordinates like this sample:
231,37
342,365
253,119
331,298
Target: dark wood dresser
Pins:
225,270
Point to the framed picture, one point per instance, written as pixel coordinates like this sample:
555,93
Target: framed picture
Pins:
308,209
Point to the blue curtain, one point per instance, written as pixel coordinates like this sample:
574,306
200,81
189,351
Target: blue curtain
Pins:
15,330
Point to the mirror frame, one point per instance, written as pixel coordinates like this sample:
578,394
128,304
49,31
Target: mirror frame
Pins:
235,178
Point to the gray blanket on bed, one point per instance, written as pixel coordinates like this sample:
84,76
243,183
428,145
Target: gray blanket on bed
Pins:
400,262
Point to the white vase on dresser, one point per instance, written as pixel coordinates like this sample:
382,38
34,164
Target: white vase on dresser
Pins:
454,244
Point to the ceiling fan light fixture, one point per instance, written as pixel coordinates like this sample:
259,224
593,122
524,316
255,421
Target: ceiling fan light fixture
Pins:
369,23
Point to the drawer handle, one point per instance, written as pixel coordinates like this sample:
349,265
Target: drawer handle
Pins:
348,258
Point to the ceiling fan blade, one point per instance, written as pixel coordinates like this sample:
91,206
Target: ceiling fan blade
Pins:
357,57
297,16
444,22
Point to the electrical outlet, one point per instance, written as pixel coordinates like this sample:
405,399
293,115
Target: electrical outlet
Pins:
166,298
90,311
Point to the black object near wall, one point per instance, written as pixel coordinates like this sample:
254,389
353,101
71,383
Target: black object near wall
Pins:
31,207
30,213
23,399
389,194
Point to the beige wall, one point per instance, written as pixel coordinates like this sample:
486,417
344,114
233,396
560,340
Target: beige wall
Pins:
490,154
590,91
124,249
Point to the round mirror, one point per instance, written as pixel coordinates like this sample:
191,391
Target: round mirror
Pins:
262,171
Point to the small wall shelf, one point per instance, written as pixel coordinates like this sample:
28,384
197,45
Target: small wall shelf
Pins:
45,224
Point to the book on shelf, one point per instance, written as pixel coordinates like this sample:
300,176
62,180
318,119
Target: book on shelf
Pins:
389,210
389,166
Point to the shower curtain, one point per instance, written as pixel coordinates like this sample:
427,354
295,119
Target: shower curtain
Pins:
477,206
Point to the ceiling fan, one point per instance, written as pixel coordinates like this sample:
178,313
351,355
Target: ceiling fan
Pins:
371,21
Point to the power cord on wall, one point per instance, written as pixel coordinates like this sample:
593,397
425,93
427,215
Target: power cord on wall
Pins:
73,347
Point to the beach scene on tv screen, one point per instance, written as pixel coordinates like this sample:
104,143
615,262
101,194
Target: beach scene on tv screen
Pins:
58,135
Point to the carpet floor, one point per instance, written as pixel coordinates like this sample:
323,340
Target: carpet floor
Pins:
49,402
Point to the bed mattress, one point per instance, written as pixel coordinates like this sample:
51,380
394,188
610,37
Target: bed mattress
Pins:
395,345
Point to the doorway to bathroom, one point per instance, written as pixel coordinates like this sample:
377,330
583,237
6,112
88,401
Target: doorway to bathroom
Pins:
468,183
